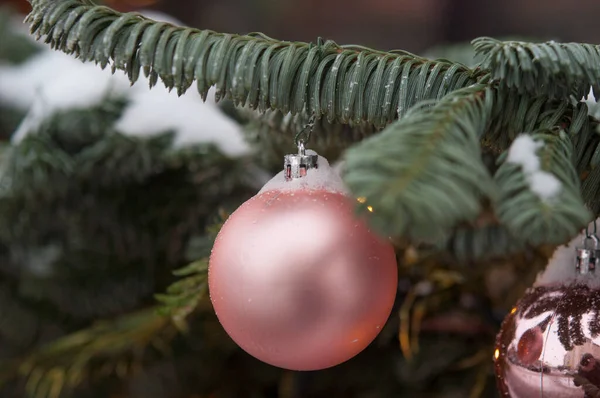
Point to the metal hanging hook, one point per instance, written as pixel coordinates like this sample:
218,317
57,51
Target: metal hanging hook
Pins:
303,136
588,255
595,233
297,165
301,148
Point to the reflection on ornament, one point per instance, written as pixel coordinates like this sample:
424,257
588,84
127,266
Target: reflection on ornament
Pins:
296,279
550,346
363,200
530,345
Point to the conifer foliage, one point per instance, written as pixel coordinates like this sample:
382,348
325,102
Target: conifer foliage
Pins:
392,91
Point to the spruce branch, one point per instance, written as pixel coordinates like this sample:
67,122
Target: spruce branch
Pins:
514,113
183,296
115,346
472,243
424,174
346,84
526,206
554,69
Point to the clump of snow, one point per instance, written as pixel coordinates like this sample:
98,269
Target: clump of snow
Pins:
561,267
157,110
324,178
21,85
52,81
593,106
523,152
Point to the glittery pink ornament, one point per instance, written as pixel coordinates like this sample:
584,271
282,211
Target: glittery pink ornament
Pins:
297,280
549,345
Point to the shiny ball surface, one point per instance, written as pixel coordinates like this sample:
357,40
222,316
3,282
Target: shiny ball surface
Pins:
299,282
549,346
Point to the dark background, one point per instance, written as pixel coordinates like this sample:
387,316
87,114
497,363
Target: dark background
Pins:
412,25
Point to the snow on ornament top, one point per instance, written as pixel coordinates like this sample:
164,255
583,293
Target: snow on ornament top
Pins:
561,269
324,177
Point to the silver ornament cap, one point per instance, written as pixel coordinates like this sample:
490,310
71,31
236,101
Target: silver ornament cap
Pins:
588,255
297,165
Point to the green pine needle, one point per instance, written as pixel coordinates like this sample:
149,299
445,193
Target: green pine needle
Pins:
423,174
346,84
108,347
554,69
183,296
537,220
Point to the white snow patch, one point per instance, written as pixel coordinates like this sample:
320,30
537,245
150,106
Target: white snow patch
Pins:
561,267
593,106
323,178
21,85
523,152
52,81
157,110
58,84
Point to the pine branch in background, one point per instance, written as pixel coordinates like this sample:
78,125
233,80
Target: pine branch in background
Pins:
136,200
553,69
113,347
183,296
423,174
15,48
346,84
464,52
66,153
484,240
537,174
108,347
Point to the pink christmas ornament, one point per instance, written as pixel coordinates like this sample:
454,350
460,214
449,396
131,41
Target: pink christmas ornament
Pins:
296,279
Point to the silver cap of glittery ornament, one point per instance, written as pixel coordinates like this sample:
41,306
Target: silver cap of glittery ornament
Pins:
588,255
296,166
